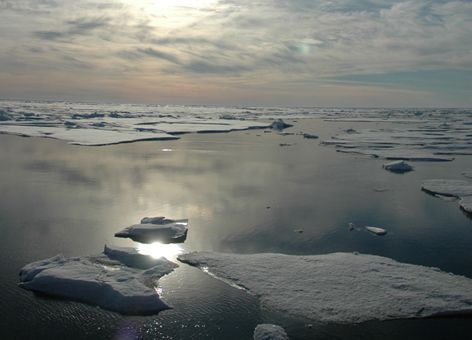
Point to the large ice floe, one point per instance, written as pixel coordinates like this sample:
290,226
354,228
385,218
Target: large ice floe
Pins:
119,280
269,332
451,188
340,287
153,229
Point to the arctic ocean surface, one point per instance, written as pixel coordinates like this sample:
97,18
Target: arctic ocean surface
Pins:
243,193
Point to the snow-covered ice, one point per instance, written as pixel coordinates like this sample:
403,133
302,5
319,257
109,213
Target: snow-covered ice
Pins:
152,229
376,230
269,332
456,188
398,166
119,280
341,287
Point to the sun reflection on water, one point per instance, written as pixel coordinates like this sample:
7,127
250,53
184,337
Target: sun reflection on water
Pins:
158,249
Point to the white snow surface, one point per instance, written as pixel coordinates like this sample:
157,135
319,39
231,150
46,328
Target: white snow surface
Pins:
153,229
269,332
113,280
456,188
340,287
398,166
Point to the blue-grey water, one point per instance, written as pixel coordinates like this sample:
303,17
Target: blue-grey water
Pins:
242,192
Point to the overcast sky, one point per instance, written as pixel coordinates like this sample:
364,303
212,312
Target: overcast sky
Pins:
239,52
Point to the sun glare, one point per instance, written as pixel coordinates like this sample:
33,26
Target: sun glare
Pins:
157,250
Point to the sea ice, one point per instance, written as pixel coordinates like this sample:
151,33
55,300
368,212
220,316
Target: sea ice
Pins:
398,166
341,287
115,280
455,188
154,229
310,136
89,136
376,230
279,124
4,116
467,174
269,332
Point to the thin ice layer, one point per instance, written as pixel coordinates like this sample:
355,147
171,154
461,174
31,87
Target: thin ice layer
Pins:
107,280
341,287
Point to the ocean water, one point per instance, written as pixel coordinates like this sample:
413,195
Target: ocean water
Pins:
242,192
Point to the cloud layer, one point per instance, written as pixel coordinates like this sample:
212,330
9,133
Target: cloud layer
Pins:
237,51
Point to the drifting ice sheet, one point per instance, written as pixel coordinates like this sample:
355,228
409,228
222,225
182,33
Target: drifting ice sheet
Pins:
341,287
107,280
154,229
269,332
454,188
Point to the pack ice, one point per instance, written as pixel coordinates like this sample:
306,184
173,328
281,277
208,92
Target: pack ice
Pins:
152,229
453,188
119,280
340,287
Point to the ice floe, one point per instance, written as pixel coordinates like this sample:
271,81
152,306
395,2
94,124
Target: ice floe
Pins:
455,188
119,280
436,139
376,230
398,166
152,229
341,287
269,332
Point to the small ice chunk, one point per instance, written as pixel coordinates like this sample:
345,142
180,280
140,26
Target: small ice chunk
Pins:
310,136
4,116
269,332
398,166
279,124
104,280
341,288
376,230
156,229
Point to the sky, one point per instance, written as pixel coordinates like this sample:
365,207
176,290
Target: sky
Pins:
368,53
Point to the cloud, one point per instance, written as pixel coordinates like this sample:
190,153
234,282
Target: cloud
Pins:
151,52
237,41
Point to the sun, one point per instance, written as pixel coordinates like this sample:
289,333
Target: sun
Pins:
174,4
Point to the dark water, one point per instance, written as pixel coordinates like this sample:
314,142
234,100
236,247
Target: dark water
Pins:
58,198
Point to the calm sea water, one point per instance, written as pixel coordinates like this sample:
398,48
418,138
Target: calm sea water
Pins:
243,193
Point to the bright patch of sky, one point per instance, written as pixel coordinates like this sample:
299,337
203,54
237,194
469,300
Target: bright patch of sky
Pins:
260,52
